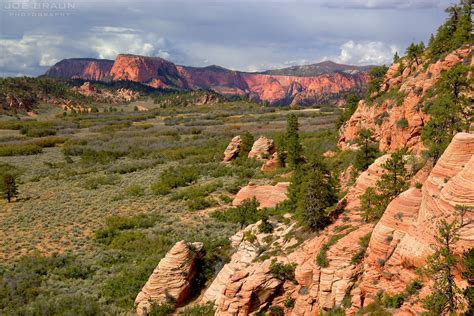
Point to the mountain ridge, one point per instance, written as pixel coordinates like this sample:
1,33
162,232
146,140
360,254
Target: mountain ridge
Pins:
275,89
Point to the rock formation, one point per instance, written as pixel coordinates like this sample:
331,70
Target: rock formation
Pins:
270,164
405,235
233,149
107,96
307,87
266,195
84,68
262,148
384,119
171,279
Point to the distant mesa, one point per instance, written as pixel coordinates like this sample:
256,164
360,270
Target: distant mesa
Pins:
298,85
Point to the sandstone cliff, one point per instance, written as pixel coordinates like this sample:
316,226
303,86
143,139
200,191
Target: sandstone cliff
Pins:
400,242
84,68
325,84
396,117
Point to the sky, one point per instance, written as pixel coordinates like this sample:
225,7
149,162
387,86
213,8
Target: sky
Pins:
247,35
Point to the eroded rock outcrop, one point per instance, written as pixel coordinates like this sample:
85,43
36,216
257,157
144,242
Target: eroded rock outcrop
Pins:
171,279
233,149
398,120
266,195
320,84
404,237
84,68
262,148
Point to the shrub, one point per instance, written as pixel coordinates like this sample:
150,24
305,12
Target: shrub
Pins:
200,203
283,271
94,182
37,132
244,214
395,301
135,190
250,237
321,258
20,149
265,226
199,310
402,123
161,309
363,244
289,302
174,178
276,311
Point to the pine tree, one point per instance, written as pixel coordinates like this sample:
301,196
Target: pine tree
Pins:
372,205
349,108
246,145
367,150
317,193
396,58
446,296
450,111
9,187
293,145
393,181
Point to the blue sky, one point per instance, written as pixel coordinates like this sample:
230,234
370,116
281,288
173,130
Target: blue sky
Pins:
249,35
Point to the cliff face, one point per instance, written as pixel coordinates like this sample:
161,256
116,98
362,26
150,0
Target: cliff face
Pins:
399,243
326,83
84,68
404,91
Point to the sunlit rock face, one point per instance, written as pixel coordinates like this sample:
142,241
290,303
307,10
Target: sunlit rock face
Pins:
304,88
384,119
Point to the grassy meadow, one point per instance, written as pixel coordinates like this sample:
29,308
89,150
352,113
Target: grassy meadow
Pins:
103,196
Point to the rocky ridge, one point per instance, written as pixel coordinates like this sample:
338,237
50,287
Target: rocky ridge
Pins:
274,89
384,119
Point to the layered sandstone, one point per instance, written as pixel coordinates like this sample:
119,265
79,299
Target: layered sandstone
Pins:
411,85
262,148
171,279
233,149
405,236
84,68
266,195
273,89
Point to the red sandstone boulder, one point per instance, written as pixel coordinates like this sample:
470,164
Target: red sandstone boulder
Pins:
266,195
171,279
233,149
262,148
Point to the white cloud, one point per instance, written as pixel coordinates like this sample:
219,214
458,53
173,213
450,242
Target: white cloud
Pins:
383,4
365,53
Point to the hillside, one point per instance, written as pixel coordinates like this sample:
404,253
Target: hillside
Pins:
325,67
326,82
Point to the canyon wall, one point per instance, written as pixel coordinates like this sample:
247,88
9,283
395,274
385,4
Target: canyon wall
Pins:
273,89
398,118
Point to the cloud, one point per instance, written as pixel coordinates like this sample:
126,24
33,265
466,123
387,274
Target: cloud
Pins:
383,4
365,53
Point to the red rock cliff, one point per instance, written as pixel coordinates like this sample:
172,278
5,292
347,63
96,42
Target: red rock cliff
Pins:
84,68
410,87
274,89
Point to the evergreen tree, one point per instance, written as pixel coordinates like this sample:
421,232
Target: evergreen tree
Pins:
281,149
393,181
376,75
293,145
468,274
246,145
367,151
245,212
372,205
450,111
9,187
317,193
446,296
414,52
396,58
350,107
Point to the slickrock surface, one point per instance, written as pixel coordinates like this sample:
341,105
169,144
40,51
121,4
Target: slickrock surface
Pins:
172,278
382,119
236,290
262,148
266,195
233,149
405,235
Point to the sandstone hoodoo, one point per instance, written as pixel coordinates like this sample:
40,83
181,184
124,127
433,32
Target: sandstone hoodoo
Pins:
321,84
262,149
171,281
233,149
